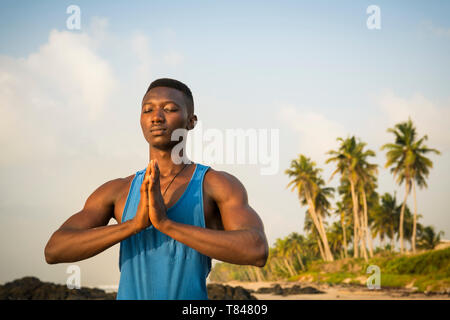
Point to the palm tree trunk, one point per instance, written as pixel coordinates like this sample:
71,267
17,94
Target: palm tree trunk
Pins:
247,273
260,274
321,249
254,274
288,267
270,274
291,263
325,242
316,224
366,225
402,213
362,238
282,268
355,221
413,240
345,236
299,258
312,211
392,239
257,274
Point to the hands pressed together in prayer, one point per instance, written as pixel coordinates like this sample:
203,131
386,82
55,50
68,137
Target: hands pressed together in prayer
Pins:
151,209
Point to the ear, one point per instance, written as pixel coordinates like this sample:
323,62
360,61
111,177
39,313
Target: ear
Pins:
192,122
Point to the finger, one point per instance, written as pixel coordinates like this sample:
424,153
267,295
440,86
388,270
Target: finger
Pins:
144,185
147,171
156,170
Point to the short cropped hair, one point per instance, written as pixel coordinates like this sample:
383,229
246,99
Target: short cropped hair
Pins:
178,85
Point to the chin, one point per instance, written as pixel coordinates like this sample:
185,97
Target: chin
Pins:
161,143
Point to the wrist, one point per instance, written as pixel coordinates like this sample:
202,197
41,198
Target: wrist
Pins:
133,226
164,225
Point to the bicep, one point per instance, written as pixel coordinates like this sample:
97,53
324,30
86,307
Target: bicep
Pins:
240,217
97,211
235,211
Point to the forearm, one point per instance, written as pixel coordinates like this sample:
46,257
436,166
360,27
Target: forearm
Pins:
75,245
245,247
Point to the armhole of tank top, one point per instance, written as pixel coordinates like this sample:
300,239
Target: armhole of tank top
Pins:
202,218
128,199
208,259
124,216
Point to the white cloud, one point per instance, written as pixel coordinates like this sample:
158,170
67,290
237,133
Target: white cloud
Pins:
65,128
429,118
317,134
71,67
55,90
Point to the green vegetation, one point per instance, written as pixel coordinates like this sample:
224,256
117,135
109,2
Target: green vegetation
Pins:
363,215
428,271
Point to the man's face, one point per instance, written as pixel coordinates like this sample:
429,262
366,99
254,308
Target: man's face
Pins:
164,108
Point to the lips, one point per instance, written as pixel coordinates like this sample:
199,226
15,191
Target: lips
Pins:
158,130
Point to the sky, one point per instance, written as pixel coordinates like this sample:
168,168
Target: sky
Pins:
308,71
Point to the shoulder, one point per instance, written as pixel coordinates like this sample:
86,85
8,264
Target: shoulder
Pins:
117,184
111,190
222,186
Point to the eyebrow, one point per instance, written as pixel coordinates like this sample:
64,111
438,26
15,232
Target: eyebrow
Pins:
162,103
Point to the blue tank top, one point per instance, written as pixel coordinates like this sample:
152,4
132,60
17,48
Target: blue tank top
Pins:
152,265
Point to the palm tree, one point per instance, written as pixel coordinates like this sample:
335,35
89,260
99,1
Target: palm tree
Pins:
335,234
386,218
428,238
278,260
350,161
408,225
312,243
341,211
297,244
283,246
380,225
344,191
308,183
407,158
313,236
321,203
373,203
367,185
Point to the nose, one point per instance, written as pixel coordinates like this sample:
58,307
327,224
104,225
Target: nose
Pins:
158,116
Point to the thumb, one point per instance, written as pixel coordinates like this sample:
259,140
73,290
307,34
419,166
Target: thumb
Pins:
144,185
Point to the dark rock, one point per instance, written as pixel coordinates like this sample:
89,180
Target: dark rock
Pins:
308,290
223,292
277,289
295,289
264,290
31,288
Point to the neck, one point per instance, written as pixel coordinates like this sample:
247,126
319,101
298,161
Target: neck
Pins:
167,167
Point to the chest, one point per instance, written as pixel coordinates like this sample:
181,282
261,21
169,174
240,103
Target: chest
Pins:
173,194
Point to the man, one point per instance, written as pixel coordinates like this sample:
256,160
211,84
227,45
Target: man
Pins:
172,217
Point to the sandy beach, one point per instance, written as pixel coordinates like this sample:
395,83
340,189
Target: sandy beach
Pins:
337,292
